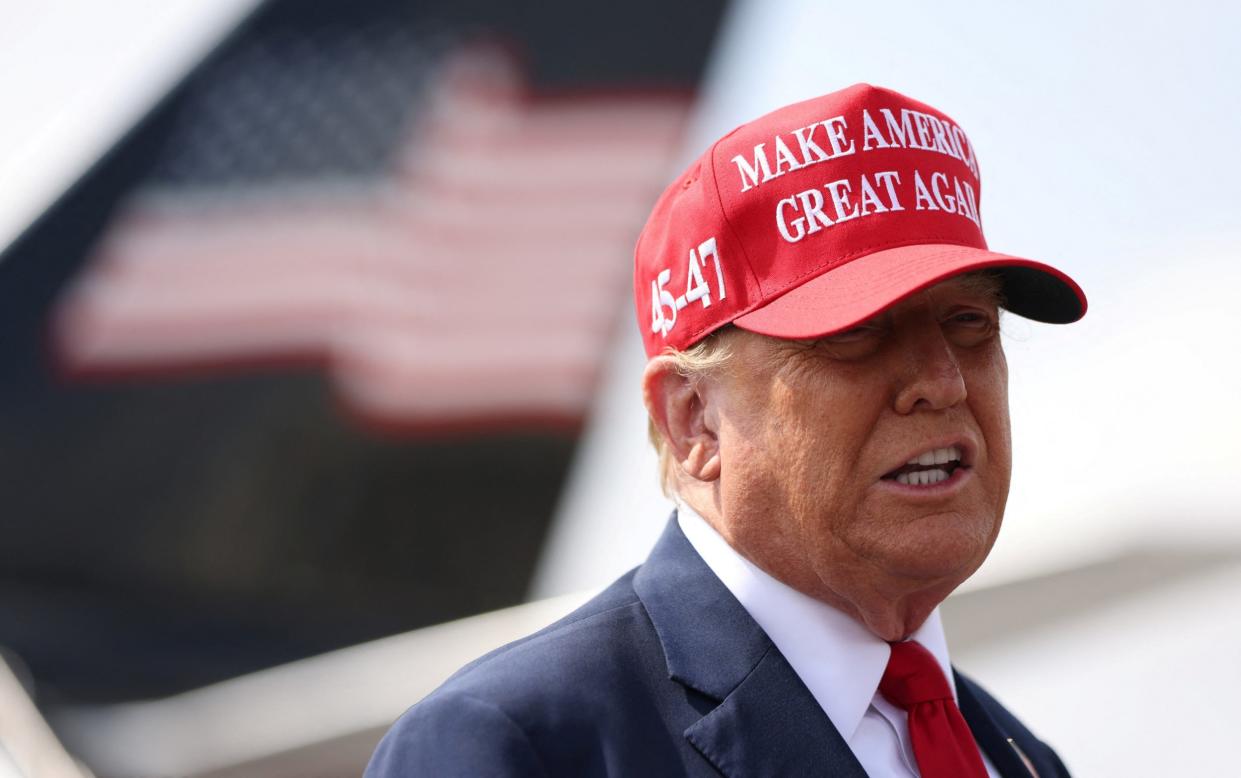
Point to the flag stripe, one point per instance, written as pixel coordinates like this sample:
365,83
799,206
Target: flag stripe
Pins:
480,280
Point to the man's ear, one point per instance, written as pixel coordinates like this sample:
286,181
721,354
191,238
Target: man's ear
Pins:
679,409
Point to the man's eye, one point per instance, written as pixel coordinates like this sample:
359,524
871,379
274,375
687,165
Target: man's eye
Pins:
972,319
854,343
969,327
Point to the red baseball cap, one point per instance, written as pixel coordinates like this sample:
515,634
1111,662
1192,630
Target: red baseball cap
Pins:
817,216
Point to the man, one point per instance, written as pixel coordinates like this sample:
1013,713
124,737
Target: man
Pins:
828,393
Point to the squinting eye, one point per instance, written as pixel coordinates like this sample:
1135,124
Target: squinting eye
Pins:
972,319
971,327
854,343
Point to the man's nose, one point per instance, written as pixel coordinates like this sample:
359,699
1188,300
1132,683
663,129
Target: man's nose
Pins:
932,378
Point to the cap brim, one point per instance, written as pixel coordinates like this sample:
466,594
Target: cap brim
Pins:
852,293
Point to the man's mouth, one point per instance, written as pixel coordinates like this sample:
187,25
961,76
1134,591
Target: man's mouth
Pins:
928,468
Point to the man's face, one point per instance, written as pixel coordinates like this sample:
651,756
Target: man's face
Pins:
815,437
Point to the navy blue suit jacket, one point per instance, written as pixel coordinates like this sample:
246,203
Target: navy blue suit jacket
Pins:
663,674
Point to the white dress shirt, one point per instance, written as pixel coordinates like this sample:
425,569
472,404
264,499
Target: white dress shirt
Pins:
838,659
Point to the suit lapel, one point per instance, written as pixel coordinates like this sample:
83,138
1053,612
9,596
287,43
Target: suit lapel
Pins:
767,722
771,725
991,737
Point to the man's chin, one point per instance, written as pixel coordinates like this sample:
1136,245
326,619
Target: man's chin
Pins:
939,550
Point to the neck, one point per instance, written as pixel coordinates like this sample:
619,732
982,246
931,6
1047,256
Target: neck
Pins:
890,608
890,619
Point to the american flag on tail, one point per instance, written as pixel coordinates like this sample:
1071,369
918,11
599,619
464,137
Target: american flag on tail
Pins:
476,281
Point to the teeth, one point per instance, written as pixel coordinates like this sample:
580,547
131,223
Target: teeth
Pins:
922,477
939,456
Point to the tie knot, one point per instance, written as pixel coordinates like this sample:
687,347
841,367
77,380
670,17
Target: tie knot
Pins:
913,676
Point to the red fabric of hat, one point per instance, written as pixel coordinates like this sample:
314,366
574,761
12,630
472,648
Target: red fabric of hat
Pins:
815,217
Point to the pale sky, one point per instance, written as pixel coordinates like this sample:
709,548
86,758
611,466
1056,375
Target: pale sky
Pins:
76,74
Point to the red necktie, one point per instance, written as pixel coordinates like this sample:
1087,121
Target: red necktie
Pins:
941,739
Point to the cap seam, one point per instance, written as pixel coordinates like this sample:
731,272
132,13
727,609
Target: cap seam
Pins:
719,201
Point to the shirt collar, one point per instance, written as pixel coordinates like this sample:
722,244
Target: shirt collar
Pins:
838,659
